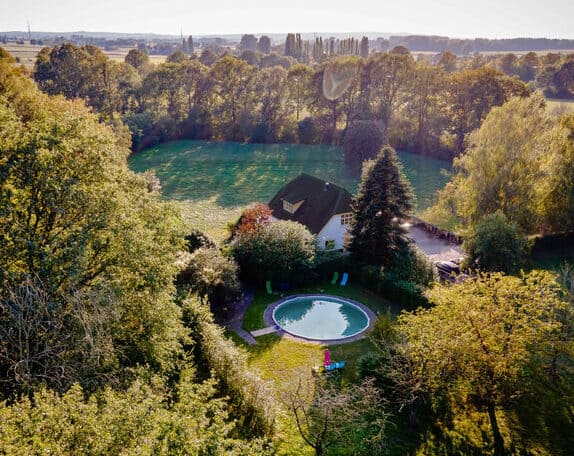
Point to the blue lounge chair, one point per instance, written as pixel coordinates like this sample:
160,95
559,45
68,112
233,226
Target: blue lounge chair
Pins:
334,366
344,279
268,286
335,277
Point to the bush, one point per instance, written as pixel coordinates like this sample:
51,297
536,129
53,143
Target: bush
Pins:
250,396
407,294
282,250
197,239
210,274
495,244
370,277
411,265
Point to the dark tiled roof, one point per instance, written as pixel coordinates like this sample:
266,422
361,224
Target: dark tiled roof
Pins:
321,201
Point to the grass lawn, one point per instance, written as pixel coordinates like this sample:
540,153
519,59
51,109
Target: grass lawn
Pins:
287,363
209,217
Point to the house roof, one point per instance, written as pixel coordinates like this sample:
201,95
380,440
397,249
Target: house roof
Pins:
321,201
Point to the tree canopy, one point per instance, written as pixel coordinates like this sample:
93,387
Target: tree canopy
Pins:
81,228
280,250
519,163
495,244
488,341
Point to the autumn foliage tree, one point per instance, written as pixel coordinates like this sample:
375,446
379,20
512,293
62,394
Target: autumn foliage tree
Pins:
253,219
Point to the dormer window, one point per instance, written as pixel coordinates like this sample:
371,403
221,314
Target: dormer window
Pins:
288,206
346,219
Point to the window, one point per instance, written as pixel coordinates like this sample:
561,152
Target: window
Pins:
330,244
288,207
346,219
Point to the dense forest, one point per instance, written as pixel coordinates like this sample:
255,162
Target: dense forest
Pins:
421,105
108,299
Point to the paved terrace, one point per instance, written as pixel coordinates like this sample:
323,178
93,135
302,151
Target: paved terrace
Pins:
436,248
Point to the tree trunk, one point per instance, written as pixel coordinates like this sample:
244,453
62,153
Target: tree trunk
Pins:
498,441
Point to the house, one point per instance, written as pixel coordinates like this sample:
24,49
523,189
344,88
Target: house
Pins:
324,208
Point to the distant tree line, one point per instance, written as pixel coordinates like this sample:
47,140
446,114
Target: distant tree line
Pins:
422,43
423,106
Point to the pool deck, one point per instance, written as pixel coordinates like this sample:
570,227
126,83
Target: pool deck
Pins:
270,323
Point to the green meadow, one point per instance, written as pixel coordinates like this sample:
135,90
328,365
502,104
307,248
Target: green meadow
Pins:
215,180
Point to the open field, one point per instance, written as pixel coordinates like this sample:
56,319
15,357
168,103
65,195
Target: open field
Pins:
560,106
215,180
23,53
26,53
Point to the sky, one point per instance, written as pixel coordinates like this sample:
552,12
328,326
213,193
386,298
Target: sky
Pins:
453,18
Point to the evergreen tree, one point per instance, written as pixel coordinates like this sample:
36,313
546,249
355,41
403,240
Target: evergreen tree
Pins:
384,196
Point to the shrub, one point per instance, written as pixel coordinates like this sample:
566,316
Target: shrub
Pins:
495,244
197,239
412,265
282,250
210,274
249,396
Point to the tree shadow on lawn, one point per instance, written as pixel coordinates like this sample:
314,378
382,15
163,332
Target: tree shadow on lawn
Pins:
238,174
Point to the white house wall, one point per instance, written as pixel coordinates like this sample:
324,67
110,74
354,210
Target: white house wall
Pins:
333,230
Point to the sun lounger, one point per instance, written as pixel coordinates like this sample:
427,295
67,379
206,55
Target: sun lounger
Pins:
344,279
334,366
268,286
335,277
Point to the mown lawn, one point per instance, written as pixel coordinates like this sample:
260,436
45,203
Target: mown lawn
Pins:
288,364
209,217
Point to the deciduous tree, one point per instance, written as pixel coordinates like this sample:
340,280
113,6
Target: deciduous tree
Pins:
486,342
495,244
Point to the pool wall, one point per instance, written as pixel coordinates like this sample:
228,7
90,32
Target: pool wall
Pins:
270,321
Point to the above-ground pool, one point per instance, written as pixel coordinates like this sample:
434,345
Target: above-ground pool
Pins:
320,317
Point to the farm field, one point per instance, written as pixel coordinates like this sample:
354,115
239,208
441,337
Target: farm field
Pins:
215,180
26,53
560,105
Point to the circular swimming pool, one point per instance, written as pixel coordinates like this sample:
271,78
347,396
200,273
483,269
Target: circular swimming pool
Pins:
320,317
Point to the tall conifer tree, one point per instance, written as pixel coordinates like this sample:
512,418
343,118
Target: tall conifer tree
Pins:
384,197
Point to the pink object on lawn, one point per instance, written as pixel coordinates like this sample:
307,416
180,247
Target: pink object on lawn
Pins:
327,360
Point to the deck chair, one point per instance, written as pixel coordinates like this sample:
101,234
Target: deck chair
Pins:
344,279
268,287
335,278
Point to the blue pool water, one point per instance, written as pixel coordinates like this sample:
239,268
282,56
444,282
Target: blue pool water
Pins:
320,317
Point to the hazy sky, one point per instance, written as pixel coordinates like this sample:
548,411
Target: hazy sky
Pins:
455,18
